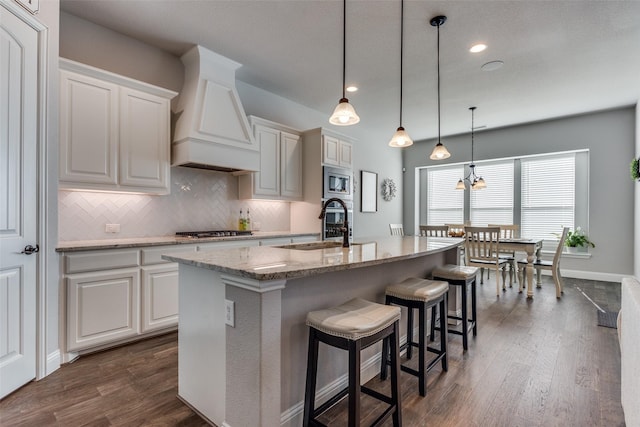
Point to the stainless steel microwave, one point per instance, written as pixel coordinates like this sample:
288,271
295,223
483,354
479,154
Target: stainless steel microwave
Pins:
337,183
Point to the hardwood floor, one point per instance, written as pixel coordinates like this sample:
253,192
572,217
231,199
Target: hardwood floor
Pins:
534,363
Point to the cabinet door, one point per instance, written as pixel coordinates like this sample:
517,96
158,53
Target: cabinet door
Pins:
330,150
290,166
102,307
144,141
267,181
88,131
346,160
159,297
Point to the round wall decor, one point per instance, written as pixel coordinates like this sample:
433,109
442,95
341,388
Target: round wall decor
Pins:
388,189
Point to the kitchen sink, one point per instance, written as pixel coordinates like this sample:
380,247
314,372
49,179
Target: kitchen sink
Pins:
314,245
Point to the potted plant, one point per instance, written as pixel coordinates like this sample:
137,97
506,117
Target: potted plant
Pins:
635,169
577,240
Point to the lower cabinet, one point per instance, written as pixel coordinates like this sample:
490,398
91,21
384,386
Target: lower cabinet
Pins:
103,307
159,297
119,295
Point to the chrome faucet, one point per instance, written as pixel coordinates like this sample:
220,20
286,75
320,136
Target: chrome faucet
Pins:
345,227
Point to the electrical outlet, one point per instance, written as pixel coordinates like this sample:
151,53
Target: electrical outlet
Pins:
112,228
230,313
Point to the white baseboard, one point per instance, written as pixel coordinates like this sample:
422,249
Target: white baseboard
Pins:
593,275
53,362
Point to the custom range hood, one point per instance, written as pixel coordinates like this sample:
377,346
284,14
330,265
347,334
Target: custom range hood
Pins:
212,130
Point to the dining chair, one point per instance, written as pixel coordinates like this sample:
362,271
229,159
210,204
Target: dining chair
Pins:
434,230
396,229
481,250
508,231
553,265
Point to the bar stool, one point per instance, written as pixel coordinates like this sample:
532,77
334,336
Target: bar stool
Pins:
353,326
461,276
419,294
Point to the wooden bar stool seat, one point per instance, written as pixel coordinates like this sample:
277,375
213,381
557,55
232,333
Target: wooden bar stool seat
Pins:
353,326
463,277
419,294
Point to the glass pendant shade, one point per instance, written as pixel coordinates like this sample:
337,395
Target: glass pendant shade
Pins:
400,139
481,184
344,114
460,185
439,152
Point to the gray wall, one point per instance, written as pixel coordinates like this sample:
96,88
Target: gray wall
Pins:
610,138
636,257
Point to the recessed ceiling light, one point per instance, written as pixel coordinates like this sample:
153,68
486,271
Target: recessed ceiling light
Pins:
352,88
478,48
492,66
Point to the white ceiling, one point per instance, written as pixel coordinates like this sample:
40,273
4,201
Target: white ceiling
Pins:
560,57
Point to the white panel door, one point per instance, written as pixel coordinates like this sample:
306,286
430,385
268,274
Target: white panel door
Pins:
88,130
291,165
144,140
18,126
159,296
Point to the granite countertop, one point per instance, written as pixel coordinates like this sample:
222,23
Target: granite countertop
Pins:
273,262
84,245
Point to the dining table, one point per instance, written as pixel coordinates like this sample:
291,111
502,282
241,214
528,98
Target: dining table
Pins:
532,248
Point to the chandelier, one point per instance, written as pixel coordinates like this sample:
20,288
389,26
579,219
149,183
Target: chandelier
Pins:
477,183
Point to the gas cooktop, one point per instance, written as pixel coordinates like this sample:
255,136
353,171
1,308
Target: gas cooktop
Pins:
213,233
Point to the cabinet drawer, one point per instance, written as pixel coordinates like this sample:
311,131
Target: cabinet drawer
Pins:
154,255
101,260
276,241
227,244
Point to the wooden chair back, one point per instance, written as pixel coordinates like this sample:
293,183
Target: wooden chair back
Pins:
559,249
434,230
507,231
481,244
396,229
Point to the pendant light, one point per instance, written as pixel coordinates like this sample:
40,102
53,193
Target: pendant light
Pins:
439,152
401,137
344,114
477,183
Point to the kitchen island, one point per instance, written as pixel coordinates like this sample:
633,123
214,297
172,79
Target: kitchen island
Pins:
250,371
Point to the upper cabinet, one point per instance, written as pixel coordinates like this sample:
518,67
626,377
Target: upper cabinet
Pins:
336,152
280,176
114,132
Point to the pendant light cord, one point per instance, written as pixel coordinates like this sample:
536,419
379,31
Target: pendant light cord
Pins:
472,111
344,46
438,82
401,53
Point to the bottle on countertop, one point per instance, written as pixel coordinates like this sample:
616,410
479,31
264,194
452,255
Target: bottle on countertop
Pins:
247,221
241,221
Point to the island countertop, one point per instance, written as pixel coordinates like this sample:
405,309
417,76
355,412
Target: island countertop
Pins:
287,262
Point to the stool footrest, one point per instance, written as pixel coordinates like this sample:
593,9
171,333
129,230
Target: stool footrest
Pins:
329,403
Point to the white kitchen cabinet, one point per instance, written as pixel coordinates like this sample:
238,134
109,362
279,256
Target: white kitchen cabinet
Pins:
280,175
159,299
118,295
114,132
336,152
103,306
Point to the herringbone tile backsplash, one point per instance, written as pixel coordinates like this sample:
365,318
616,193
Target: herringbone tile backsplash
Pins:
199,200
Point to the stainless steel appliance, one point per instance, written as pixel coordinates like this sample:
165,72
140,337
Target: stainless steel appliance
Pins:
213,233
338,183
333,221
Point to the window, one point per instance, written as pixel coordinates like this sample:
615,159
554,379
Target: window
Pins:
493,204
445,204
541,193
548,195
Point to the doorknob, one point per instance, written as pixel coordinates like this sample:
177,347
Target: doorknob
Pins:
28,250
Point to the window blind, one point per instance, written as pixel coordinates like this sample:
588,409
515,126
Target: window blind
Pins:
445,204
548,195
493,204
